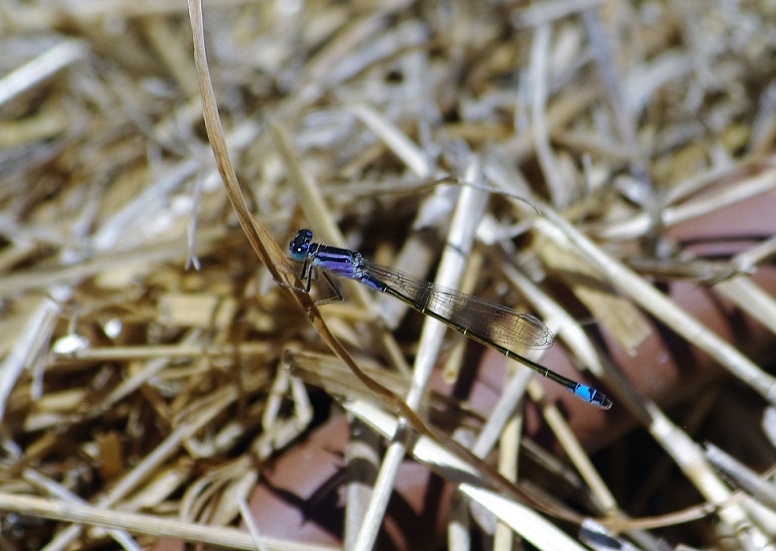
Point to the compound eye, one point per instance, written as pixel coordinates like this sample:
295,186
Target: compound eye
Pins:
300,245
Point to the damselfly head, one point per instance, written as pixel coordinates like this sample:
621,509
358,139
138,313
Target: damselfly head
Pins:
300,244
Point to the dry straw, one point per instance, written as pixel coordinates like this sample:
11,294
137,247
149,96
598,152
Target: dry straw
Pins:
571,158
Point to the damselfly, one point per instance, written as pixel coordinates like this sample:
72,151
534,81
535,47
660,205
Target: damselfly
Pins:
485,322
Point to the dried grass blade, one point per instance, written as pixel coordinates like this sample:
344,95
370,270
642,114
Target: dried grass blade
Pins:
145,524
645,295
269,252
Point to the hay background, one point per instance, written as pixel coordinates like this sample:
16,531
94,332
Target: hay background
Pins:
136,383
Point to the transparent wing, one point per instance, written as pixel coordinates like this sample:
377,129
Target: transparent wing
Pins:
479,317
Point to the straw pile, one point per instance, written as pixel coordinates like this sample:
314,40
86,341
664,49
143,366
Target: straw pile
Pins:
606,166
